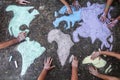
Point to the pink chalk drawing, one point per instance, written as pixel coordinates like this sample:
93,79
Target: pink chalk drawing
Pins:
71,18
64,44
92,27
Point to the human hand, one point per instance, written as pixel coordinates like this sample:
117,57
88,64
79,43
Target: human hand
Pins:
113,23
93,71
22,2
76,4
103,17
69,10
47,64
21,36
95,55
75,62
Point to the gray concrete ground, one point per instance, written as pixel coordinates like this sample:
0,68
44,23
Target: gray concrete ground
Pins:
40,27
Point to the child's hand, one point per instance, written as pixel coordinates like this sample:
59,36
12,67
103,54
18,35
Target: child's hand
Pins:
21,36
69,10
47,64
76,4
75,62
22,2
93,71
95,55
113,23
103,17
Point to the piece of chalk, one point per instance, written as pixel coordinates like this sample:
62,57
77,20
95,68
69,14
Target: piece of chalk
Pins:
99,49
16,64
56,14
71,58
10,58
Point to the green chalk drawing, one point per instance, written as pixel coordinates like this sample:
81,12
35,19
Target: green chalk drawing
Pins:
98,62
108,69
30,50
22,16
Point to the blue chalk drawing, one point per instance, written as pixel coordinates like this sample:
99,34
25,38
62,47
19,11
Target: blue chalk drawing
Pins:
70,19
92,27
30,50
22,16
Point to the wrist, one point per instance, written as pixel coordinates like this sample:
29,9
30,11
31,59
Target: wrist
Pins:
97,75
104,14
45,70
15,40
74,68
68,7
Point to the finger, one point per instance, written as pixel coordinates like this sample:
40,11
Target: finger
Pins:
25,34
22,3
90,69
48,59
51,60
92,56
75,58
52,67
45,60
17,0
26,1
99,58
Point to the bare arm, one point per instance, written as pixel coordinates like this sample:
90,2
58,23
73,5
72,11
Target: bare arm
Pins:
103,16
8,43
94,72
20,37
65,3
24,2
113,54
43,75
74,69
109,2
69,10
47,67
118,18
106,77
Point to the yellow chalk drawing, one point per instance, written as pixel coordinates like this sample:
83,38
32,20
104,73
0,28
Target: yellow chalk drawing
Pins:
98,62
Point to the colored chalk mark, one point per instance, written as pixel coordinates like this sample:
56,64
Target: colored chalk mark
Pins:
30,50
64,44
92,27
70,19
22,16
98,62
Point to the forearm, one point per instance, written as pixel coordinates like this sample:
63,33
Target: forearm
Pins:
42,75
8,43
109,2
106,77
118,18
65,3
113,54
74,74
